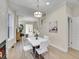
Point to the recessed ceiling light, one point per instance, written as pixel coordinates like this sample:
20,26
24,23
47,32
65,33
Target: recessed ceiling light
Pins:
47,3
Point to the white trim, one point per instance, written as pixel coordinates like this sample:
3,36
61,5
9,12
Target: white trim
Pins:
75,48
61,49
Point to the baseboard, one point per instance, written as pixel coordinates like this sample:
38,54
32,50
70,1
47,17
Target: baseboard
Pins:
75,48
61,49
10,43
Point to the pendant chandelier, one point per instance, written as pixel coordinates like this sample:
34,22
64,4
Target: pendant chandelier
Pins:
38,14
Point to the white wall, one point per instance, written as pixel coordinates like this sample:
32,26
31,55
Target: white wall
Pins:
3,20
60,39
75,11
72,9
69,10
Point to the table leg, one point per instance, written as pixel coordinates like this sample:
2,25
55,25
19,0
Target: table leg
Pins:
33,49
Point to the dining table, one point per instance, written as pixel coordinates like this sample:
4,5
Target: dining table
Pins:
36,42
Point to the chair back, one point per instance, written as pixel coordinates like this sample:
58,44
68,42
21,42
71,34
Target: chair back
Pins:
26,45
46,37
44,45
25,42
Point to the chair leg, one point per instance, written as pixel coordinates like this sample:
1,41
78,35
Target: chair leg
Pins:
39,56
24,54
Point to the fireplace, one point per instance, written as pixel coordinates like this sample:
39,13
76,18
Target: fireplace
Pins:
3,50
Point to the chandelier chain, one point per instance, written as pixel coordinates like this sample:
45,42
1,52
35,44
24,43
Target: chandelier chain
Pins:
38,13
38,5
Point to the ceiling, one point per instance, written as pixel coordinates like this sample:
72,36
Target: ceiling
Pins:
27,19
33,4
30,6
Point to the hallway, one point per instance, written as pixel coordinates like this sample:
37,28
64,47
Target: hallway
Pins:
50,24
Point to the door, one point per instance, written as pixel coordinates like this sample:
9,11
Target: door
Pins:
75,33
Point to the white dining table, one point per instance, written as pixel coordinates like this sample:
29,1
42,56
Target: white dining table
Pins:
35,42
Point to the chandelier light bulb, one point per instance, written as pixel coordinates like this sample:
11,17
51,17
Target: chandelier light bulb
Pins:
38,14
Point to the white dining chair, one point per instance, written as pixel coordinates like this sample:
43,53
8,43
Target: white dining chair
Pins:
26,47
43,48
46,37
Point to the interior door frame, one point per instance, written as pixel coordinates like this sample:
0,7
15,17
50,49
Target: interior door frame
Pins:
69,32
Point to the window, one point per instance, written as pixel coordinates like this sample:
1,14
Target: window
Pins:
29,29
10,25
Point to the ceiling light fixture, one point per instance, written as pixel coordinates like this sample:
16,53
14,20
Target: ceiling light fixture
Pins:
47,3
38,13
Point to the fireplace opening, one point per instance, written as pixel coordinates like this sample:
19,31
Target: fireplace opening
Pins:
3,50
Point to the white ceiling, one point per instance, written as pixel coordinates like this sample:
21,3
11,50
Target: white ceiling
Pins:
24,7
27,19
33,4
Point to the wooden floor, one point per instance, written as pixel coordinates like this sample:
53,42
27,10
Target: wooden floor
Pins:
53,53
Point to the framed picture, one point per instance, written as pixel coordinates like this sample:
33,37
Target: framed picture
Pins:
53,27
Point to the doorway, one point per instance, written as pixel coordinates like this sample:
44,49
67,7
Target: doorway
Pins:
73,33
29,29
69,32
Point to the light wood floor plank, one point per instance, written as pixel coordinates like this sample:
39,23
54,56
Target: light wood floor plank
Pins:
53,53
